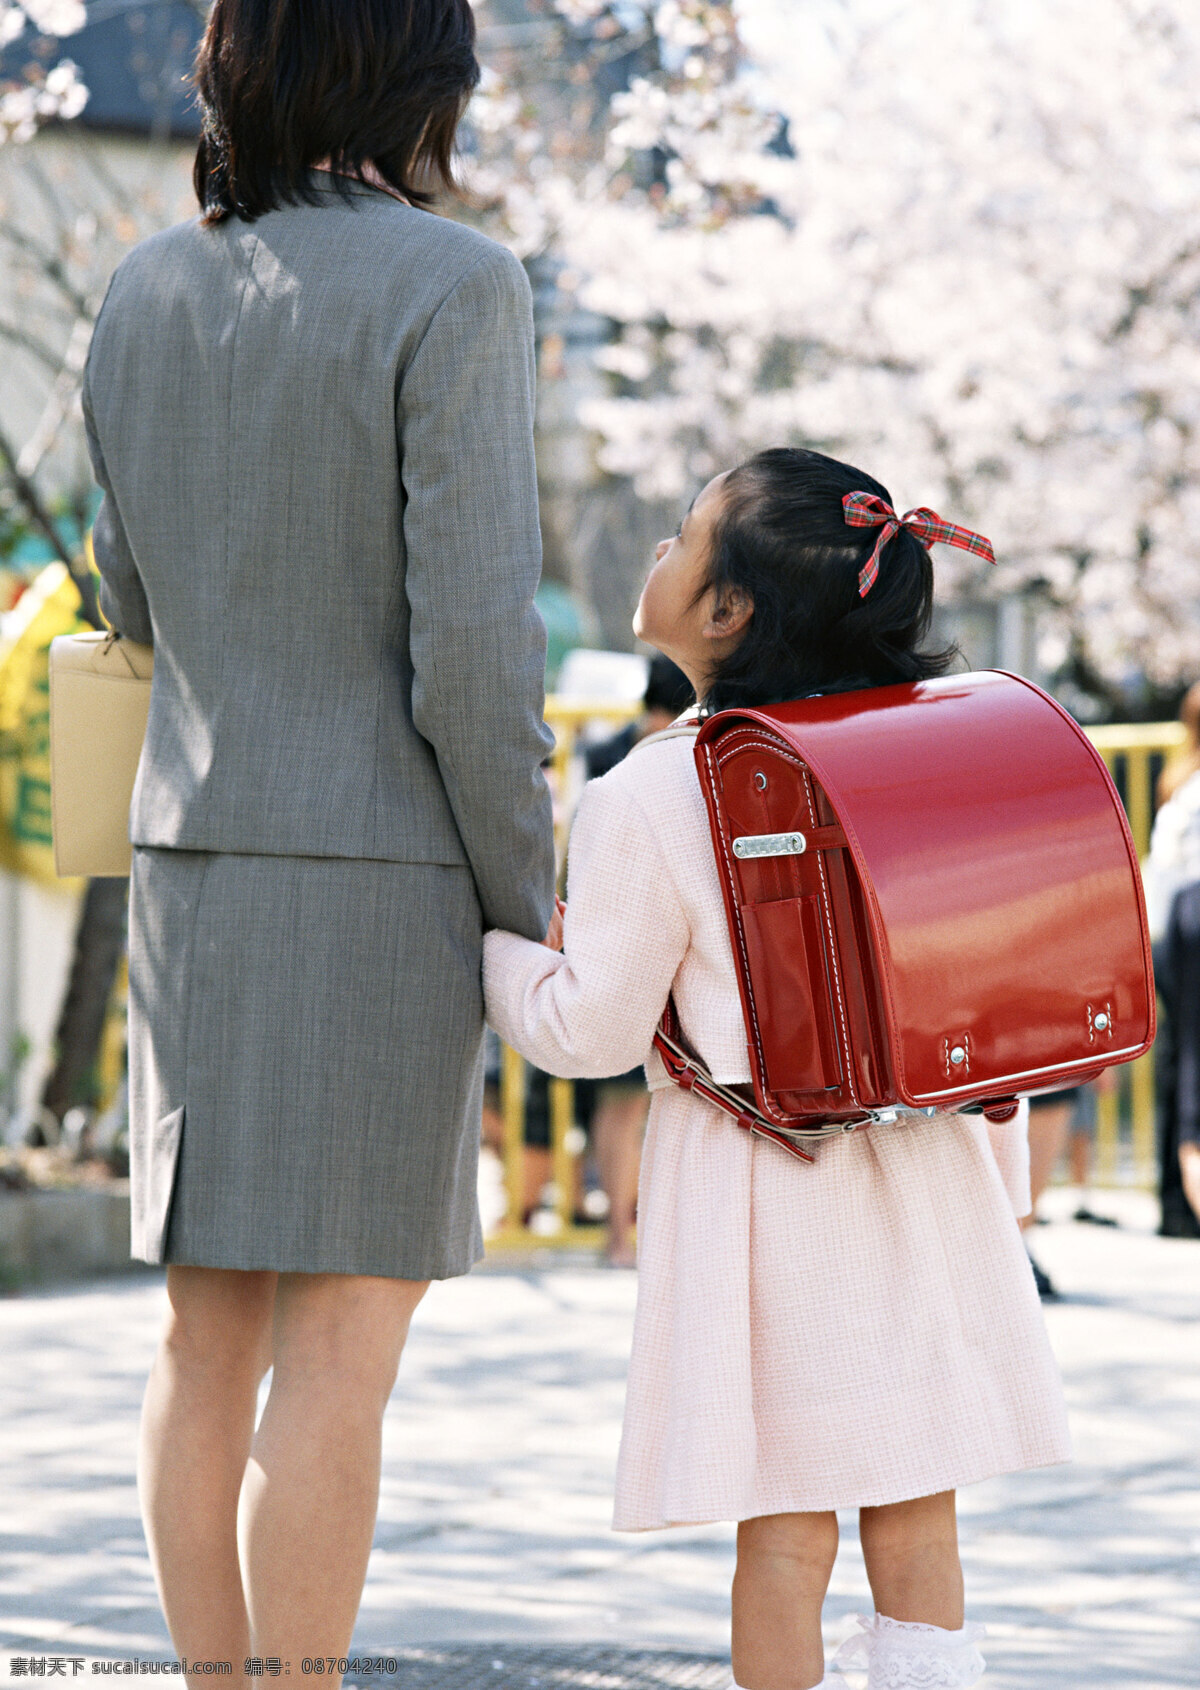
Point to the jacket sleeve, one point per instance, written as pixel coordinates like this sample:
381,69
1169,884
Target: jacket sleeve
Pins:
122,596
465,428
590,1010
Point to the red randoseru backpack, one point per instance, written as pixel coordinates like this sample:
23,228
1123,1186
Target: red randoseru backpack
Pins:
934,902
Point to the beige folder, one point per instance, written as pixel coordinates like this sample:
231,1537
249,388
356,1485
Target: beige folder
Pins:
99,701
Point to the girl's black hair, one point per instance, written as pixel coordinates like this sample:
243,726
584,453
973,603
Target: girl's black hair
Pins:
781,538
285,84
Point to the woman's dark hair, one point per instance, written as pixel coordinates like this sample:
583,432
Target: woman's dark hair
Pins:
781,539
286,84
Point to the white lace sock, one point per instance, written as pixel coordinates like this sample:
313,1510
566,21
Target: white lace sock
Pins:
899,1655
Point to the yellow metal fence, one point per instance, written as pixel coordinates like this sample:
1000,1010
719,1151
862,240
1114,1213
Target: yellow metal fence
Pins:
1125,1151
568,719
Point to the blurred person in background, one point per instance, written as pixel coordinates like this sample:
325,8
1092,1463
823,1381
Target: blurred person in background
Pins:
618,1107
668,693
1081,1147
1049,1117
612,1112
1177,1068
1174,860
537,1139
310,412
1058,1121
1172,878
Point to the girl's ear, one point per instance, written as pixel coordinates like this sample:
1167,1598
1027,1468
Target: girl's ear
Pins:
731,615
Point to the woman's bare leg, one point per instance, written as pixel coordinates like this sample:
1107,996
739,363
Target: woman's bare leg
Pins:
197,1423
617,1129
1189,1170
784,1562
311,1490
1048,1125
537,1169
1079,1152
911,1551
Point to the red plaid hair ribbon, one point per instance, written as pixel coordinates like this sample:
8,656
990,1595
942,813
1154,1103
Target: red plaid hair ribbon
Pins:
867,510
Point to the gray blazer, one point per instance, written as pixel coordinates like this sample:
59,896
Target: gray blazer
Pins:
314,436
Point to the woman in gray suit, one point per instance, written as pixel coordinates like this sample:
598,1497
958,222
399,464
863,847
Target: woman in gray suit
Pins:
310,412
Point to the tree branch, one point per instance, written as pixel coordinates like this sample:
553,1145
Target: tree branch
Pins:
52,201
41,519
30,343
109,181
57,406
50,264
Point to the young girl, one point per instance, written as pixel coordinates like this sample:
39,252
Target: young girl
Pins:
862,1332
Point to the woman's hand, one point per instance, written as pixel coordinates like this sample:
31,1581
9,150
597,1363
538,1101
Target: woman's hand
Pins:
554,933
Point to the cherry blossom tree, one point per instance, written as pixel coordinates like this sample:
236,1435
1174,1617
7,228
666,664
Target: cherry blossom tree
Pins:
958,245
27,103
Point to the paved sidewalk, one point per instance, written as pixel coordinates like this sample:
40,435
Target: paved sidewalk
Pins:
499,1666
493,1542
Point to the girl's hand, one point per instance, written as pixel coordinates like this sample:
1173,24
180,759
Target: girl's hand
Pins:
554,933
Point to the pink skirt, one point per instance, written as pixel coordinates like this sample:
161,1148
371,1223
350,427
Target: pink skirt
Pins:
847,1334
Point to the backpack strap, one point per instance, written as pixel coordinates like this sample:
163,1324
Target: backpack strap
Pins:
681,729
686,1070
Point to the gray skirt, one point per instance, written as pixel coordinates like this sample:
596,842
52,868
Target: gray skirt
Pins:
305,1063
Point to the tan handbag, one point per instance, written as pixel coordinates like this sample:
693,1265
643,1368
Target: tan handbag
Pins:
99,701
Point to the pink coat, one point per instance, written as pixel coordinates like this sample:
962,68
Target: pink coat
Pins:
855,1332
